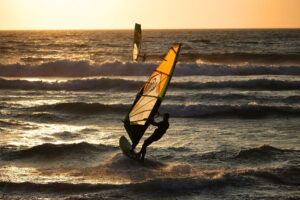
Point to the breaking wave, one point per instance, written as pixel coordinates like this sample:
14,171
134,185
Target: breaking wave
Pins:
66,68
118,84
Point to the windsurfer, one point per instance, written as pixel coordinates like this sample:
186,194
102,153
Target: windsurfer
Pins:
158,133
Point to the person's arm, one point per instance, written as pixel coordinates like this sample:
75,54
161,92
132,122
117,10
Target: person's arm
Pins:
153,122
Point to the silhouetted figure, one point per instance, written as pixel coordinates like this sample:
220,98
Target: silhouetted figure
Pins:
158,133
144,57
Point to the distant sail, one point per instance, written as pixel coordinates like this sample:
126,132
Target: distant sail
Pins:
137,42
150,96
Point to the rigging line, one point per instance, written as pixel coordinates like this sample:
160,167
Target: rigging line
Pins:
146,95
174,51
140,113
164,79
148,81
162,72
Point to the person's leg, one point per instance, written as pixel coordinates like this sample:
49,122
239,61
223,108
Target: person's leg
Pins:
133,146
147,142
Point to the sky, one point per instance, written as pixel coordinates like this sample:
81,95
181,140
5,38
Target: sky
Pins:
152,14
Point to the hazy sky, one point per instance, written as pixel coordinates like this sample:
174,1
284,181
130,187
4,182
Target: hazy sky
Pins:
122,14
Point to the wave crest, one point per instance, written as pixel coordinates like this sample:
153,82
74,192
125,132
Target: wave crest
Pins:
89,108
57,151
66,68
261,153
178,110
243,110
117,84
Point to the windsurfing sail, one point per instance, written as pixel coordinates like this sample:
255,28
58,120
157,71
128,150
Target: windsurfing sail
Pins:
150,96
137,42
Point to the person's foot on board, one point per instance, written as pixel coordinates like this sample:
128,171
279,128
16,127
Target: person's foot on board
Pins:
138,155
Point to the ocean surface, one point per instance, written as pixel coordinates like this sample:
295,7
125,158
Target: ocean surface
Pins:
234,103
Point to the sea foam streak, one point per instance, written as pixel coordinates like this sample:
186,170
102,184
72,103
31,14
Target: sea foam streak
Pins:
66,68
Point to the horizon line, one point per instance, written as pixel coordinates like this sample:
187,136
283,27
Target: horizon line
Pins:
121,29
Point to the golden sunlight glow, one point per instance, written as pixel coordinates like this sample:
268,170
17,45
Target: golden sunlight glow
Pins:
122,14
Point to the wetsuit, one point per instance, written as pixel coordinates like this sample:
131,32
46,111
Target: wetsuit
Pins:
158,133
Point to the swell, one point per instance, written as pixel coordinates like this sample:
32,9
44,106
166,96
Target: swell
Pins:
106,84
294,99
264,152
80,107
252,156
239,110
254,84
175,185
178,110
72,85
55,187
280,175
55,151
66,68
41,117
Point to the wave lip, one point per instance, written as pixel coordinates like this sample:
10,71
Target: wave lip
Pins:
66,68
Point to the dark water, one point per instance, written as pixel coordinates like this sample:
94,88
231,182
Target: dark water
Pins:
234,103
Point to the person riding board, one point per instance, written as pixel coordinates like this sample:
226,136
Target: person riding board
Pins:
161,129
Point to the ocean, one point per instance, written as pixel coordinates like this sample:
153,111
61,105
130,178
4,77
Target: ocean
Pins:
234,105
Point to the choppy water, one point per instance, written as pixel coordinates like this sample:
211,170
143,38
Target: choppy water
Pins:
234,104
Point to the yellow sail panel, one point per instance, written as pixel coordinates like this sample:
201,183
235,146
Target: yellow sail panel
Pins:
165,69
167,64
